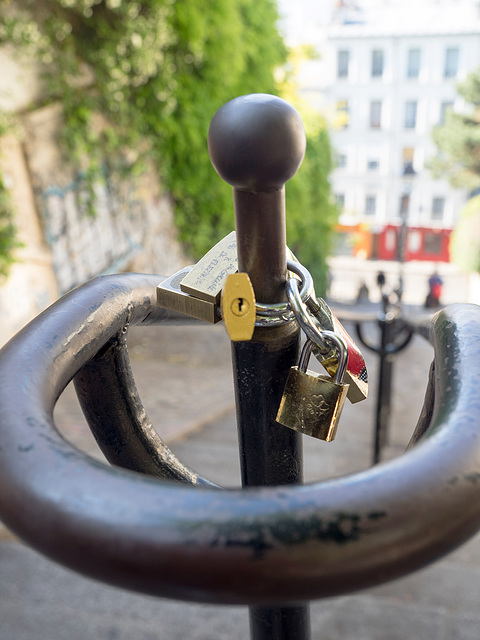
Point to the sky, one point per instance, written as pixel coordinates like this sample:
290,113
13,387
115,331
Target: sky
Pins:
304,21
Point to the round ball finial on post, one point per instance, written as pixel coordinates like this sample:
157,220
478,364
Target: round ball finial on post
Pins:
256,144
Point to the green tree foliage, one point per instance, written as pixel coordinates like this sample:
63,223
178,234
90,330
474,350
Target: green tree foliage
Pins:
157,71
311,212
8,229
458,139
465,240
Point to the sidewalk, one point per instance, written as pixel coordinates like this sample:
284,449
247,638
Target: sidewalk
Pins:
185,380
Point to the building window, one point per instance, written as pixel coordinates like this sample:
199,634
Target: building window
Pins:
451,62
370,205
444,107
414,241
340,200
407,157
342,114
438,208
377,63
410,114
343,62
390,240
341,160
373,165
433,244
375,114
413,63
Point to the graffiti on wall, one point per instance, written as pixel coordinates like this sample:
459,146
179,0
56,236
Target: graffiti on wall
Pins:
132,227
83,245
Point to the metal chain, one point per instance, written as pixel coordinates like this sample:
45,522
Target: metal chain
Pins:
325,341
271,315
303,307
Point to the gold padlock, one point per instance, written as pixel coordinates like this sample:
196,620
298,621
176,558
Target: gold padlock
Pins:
312,403
238,307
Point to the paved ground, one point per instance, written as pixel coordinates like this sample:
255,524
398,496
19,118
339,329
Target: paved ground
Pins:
184,377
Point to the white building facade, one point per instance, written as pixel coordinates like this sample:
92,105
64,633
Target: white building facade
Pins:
388,86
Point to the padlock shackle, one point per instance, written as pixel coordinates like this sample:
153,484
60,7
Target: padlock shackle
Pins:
305,354
317,338
342,355
261,545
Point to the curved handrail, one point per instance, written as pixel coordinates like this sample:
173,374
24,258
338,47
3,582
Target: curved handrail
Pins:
266,545
110,401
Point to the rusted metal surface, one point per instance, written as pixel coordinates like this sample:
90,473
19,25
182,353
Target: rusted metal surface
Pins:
257,545
117,418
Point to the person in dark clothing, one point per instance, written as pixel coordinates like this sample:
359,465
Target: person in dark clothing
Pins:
435,284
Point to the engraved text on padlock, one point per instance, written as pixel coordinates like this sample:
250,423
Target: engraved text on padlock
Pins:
207,278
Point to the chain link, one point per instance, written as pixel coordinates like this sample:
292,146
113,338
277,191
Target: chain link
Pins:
273,315
302,306
324,341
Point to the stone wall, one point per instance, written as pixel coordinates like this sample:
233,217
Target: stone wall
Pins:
132,229
31,285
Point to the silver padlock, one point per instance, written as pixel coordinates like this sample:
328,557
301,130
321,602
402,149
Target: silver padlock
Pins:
312,403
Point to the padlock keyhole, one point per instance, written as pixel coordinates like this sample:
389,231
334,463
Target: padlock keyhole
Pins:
240,306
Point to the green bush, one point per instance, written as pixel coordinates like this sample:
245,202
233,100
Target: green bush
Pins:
8,230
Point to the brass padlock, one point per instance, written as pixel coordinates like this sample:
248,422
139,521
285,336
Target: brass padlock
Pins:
238,307
312,403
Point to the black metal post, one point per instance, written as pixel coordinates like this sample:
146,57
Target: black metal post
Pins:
256,144
408,176
384,388
394,337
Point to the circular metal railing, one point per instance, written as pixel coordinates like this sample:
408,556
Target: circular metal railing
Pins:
159,528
